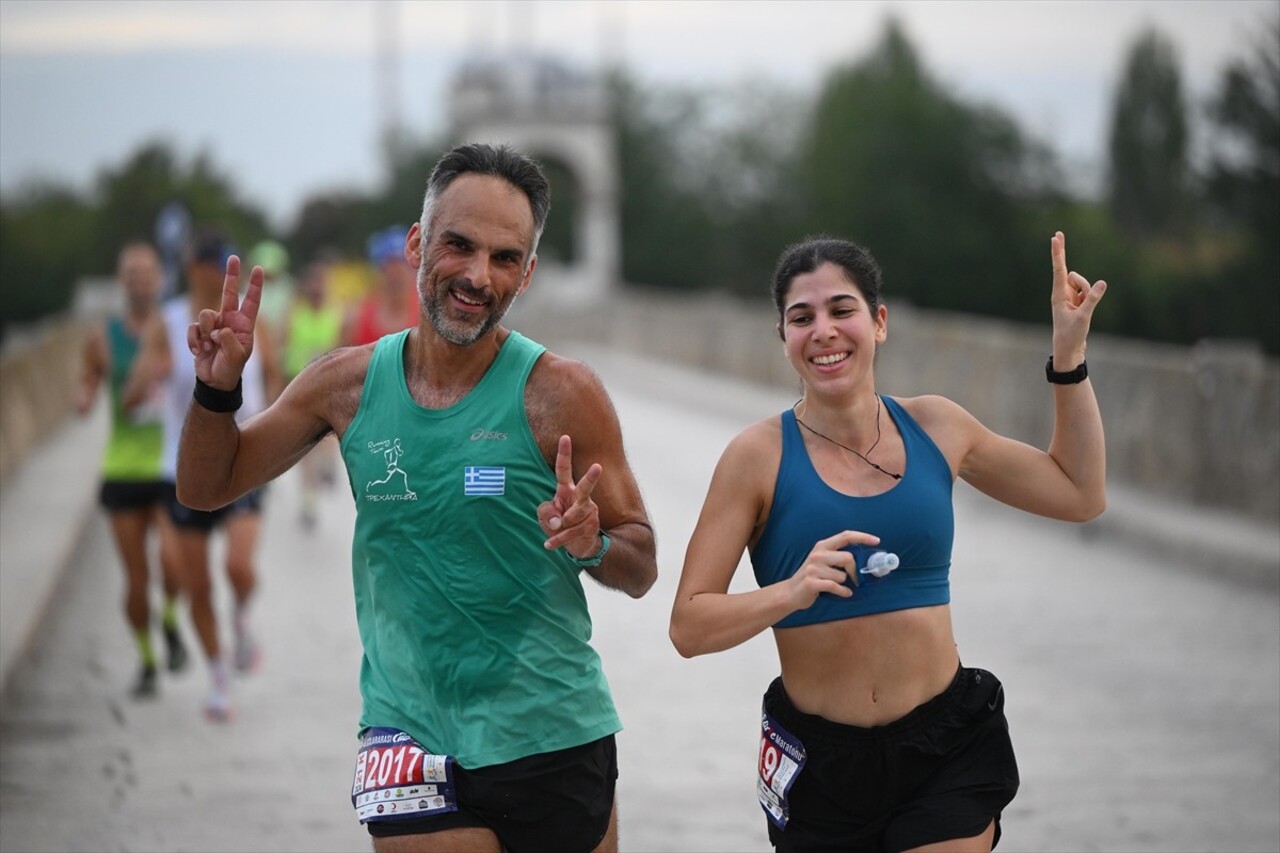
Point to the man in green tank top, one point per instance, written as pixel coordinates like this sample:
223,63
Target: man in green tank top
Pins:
488,473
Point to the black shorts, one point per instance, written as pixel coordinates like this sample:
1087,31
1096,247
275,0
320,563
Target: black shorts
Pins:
125,495
943,771
185,517
558,802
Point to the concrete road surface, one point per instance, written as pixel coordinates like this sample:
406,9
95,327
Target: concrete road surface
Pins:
1143,693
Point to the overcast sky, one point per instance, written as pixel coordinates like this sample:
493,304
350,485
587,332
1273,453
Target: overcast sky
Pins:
285,95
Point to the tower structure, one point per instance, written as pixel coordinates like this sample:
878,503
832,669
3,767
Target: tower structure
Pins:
552,112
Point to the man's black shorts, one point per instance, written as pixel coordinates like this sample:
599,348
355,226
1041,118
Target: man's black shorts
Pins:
125,495
558,802
943,771
185,517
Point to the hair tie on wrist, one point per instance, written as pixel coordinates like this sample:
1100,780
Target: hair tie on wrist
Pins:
217,400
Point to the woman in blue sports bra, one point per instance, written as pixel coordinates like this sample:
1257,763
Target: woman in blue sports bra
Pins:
875,737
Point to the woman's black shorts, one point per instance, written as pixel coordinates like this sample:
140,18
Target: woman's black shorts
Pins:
943,771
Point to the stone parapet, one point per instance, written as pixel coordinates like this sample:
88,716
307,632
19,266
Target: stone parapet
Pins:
1194,424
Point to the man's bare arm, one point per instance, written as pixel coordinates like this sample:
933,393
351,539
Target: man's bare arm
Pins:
219,460
578,430
151,365
93,367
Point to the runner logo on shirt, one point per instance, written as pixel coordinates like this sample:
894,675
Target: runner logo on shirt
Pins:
395,485
481,480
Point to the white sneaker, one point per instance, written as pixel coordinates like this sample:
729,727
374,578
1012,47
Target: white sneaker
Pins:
218,707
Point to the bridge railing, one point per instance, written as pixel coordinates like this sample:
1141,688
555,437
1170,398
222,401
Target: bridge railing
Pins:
38,376
1194,424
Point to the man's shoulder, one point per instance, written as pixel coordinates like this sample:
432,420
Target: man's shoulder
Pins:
343,366
337,374
562,377
331,387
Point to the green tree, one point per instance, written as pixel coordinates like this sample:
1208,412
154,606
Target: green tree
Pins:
949,197
739,160
333,221
130,197
1148,182
342,221
52,236
45,238
665,228
1244,185
558,237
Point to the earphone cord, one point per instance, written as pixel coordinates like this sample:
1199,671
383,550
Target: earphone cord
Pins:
847,447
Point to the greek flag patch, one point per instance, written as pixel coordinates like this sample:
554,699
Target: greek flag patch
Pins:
484,480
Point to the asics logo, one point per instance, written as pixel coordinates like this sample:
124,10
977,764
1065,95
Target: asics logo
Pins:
488,435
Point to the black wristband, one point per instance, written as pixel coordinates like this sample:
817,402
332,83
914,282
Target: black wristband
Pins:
217,400
1069,377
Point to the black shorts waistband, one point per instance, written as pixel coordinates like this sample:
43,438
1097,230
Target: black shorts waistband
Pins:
778,705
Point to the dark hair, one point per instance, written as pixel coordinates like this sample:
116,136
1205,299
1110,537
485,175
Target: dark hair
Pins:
500,161
812,252
210,246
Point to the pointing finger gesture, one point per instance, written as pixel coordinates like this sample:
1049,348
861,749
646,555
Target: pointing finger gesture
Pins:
1072,303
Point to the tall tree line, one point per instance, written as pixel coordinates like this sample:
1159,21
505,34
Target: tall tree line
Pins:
953,197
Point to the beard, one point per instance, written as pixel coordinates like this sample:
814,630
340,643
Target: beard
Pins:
459,332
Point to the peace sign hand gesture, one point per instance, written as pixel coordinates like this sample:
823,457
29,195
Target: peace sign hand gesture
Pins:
1073,301
571,518
222,340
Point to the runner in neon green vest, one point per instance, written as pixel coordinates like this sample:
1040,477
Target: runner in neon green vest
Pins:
132,491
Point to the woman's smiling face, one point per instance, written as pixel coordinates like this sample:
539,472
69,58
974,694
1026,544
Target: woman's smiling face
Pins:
828,329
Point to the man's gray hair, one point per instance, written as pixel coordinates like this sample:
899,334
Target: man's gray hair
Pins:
500,161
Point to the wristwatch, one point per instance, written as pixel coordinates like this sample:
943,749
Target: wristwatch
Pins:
1069,377
595,559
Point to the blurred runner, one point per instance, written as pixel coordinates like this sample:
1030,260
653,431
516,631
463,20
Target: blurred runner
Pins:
167,359
313,327
132,490
277,294
392,306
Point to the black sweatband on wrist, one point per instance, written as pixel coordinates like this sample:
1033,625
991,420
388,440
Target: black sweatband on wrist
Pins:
1066,377
217,400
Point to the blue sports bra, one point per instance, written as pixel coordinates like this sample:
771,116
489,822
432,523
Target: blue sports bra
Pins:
914,520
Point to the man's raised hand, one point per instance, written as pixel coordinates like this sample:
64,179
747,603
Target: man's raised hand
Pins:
222,340
571,518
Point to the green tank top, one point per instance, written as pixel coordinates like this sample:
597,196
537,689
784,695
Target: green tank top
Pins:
136,442
312,333
476,638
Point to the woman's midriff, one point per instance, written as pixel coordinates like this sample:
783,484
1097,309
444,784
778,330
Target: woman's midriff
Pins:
869,670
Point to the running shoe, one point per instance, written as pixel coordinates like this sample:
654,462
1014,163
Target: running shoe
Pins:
248,654
146,686
217,708
177,650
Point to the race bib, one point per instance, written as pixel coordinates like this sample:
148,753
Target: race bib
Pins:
782,757
397,778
